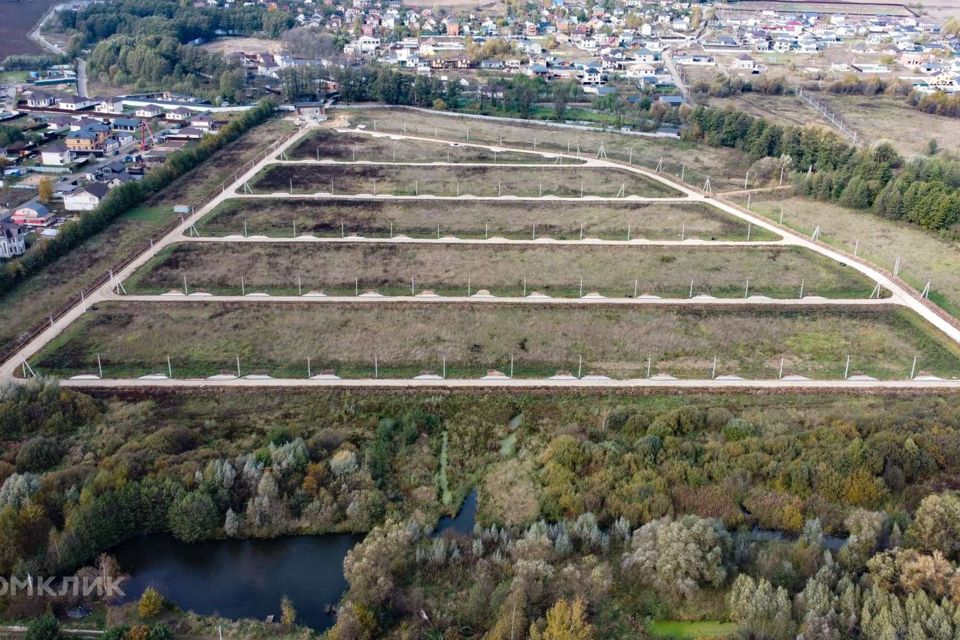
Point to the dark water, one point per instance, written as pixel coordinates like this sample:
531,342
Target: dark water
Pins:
463,522
833,543
241,578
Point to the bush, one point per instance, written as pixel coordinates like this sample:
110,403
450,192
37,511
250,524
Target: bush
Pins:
38,454
738,429
45,627
150,604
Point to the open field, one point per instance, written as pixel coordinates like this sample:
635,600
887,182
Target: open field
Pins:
233,45
452,181
32,299
679,630
325,144
923,255
276,217
784,110
891,118
726,167
449,270
205,338
17,19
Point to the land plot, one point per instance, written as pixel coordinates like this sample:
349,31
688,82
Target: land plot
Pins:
391,269
279,217
326,144
403,339
694,162
924,257
453,181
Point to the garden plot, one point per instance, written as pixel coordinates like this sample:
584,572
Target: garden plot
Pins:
409,180
563,271
204,338
324,144
280,217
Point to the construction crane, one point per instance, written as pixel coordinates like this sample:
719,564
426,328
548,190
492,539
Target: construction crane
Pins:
145,134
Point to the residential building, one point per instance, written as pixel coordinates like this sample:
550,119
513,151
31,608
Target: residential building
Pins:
180,114
56,155
148,111
41,100
12,240
75,103
85,198
31,214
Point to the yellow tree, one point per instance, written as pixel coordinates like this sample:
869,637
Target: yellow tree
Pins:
45,189
288,615
151,604
567,621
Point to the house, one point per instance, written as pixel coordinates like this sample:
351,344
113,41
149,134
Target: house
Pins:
745,63
31,214
56,155
204,122
671,101
180,114
41,100
111,105
85,141
12,238
130,125
85,198
75,103
148,111
187,133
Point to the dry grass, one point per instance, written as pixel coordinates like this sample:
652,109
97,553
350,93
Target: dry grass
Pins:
475,219
784,110
326,144
504,270
230,46
924,256
891,118
203,338
452,181
725,167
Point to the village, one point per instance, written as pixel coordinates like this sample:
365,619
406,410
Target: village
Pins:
66,150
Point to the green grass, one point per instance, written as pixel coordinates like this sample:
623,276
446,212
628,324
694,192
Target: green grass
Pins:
204,338
487,181
451,270
279,217
691,630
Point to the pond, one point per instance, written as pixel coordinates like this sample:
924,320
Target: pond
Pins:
241,578
463,522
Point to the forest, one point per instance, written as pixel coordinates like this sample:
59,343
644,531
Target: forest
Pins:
924,190
598,515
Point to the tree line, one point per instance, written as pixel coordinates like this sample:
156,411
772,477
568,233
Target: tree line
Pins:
923,191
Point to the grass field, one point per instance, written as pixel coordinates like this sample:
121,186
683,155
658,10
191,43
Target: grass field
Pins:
677,630
472,219
204,338
726,167
449,270
924,256
453,181
326,144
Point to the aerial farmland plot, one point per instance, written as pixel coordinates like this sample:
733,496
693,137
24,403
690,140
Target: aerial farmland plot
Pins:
353,256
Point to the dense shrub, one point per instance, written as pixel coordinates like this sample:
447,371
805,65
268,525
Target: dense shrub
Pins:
39,454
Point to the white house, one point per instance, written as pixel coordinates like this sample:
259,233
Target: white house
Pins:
111,105
40,100
85,198
149,111
75,103
56,155
180,114
11,240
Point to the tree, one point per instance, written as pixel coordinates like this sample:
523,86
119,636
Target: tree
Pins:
38,454
761,609
288,614
45,627
936,525
563,93
45,189
371,565
677,557
566,621
150,604
194,517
